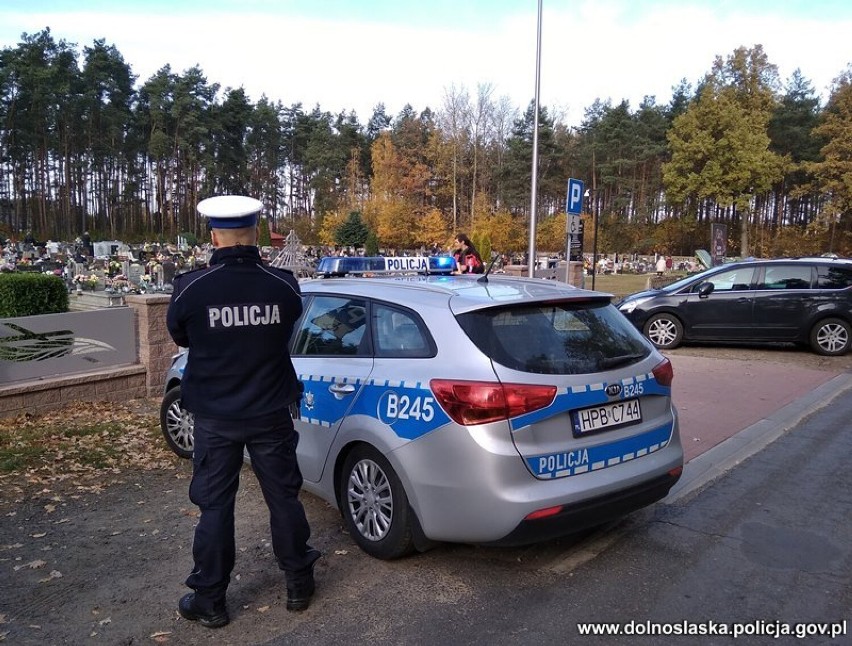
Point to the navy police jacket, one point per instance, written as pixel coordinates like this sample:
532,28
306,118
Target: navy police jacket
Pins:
236,317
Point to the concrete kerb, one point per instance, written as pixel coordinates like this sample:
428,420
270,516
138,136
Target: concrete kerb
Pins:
707,467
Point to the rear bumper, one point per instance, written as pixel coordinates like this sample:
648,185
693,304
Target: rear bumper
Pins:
466,492
589,513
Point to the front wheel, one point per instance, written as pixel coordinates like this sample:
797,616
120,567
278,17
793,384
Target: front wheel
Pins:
177,424
831,337
374,505
665,331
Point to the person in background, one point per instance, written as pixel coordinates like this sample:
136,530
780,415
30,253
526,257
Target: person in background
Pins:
88,248
467,257
236,317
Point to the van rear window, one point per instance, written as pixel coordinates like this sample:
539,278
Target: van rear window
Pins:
833,277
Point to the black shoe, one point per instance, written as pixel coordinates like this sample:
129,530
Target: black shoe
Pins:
298,599
301,586
189,610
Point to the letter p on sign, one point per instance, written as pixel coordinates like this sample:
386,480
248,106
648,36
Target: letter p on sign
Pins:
575,196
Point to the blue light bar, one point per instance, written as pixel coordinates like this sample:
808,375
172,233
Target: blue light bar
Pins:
385,265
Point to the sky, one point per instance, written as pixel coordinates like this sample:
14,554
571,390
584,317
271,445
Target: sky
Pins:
351,55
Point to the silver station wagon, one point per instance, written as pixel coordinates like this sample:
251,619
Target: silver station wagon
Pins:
474,409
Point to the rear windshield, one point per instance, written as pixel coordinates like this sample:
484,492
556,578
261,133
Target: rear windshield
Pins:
556,339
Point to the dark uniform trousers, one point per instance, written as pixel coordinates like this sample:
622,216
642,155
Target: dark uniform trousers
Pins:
217,462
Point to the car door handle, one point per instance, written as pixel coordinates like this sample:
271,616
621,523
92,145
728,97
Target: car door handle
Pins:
340,390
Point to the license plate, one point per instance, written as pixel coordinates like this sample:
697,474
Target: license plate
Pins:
596,418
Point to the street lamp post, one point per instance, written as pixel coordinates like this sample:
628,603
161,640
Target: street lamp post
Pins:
595,244
534,186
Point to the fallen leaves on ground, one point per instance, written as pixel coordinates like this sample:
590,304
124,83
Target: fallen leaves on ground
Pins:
54,574
32,565
84,447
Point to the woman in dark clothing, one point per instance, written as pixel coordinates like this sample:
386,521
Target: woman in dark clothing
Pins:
467,257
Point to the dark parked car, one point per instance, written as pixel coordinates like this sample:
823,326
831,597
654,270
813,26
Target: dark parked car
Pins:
800,300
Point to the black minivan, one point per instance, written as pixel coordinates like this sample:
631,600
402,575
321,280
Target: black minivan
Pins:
800,300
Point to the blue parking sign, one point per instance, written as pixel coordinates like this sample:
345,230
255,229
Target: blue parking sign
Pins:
575,196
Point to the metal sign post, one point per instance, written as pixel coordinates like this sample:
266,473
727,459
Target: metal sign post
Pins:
573,207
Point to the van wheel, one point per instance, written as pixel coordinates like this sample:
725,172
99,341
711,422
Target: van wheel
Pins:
374,505
831,337
177,424
665,331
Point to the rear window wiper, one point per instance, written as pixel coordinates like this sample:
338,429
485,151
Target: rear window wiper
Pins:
621,360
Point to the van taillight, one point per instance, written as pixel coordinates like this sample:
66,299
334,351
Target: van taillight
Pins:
481,402
664,373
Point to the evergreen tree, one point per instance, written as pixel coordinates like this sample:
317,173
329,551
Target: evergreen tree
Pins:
834,172
791,133
353,232
720,145
371,245
264,239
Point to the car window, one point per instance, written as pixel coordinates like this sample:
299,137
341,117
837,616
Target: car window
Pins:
833,277
731,280
398,332
567,338
332,325
786,277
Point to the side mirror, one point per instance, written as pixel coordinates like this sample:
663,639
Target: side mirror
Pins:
705,289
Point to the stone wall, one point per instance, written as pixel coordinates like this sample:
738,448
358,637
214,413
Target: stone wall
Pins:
658,282
145,379
156,347
114,385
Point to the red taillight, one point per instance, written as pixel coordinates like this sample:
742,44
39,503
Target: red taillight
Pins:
481,402
547,512
664,373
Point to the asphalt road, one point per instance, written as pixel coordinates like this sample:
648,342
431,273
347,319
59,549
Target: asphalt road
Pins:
765,547
768,542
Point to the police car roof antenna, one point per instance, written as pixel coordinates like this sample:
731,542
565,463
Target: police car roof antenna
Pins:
484,277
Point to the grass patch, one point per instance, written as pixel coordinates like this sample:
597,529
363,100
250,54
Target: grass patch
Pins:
16,458
83,439
621,285
39,443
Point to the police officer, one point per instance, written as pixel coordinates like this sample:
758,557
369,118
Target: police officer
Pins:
236,316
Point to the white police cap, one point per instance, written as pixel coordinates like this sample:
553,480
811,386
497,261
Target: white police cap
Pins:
230,211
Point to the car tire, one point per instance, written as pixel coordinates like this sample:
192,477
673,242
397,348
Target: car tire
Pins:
831,337
176,424
665,331
374,505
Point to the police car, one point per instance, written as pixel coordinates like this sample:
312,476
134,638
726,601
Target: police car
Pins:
477,409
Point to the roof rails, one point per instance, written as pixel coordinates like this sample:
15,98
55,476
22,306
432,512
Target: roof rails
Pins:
332,266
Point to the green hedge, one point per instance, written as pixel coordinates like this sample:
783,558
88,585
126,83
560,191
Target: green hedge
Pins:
29,294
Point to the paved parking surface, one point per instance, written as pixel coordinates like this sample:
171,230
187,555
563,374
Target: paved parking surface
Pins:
731,408
717,398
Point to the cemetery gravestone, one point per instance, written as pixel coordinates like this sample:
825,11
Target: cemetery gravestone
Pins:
169,270
157,277
135,273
